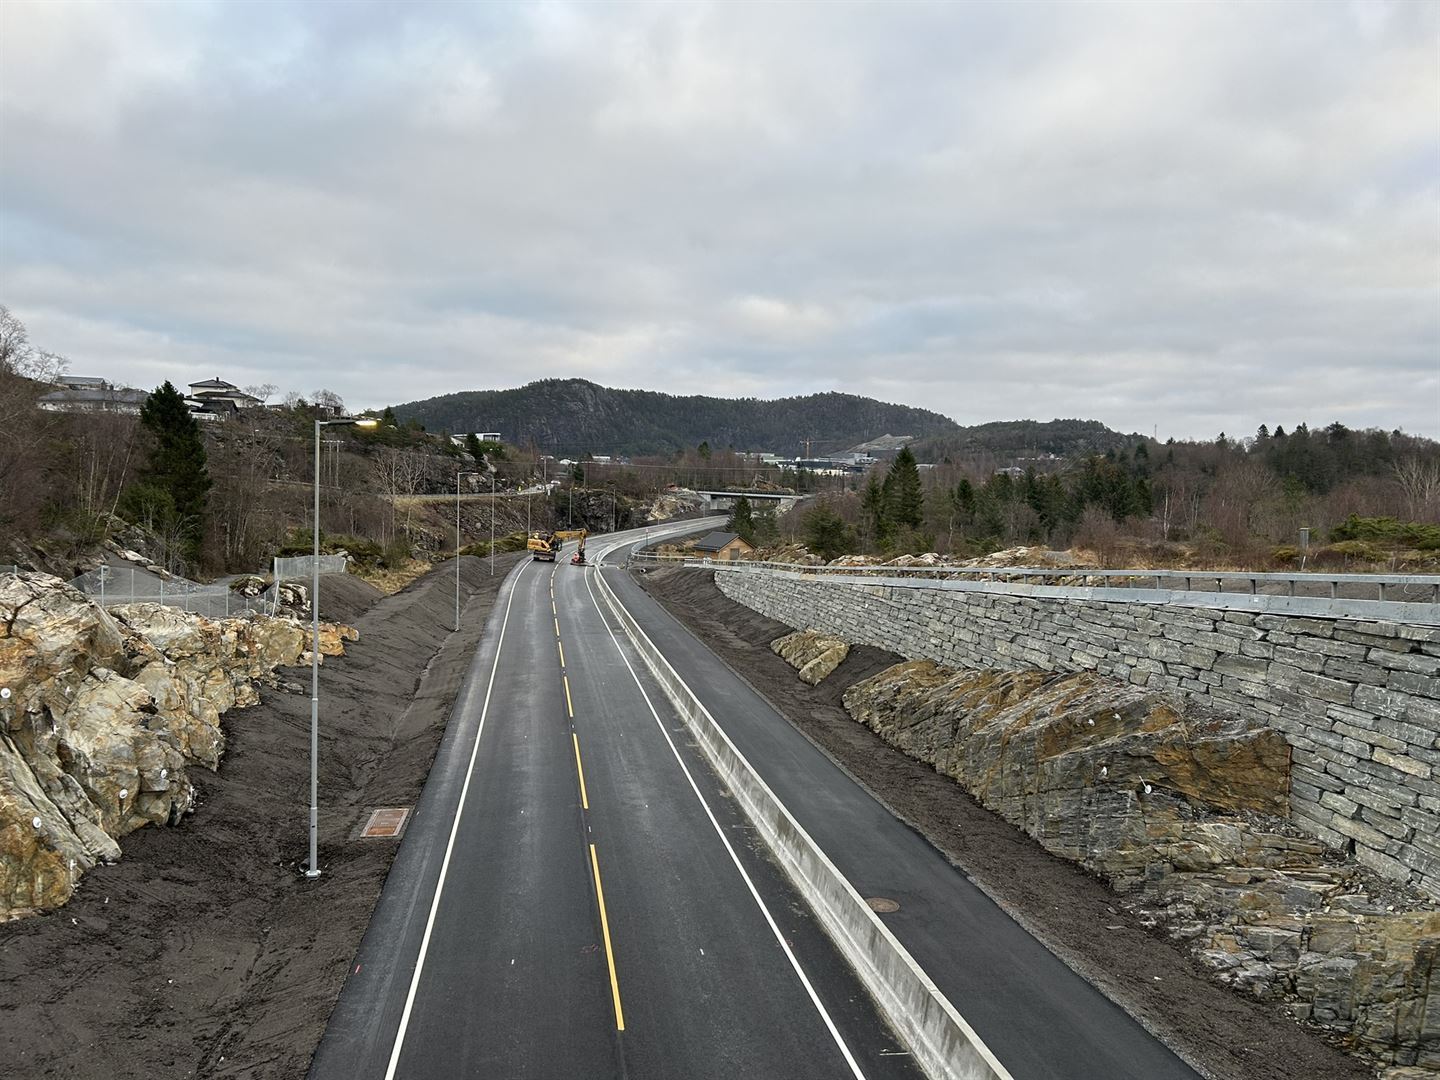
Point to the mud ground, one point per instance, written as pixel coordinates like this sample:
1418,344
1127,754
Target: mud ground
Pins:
1222,1034
204,952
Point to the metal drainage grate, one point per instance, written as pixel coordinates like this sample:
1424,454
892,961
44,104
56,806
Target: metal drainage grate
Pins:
387,821
883,904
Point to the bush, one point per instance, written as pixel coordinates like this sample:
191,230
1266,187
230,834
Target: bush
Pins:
1348,551
1286,554
1388,532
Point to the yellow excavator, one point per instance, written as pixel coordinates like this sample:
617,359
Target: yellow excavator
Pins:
544,545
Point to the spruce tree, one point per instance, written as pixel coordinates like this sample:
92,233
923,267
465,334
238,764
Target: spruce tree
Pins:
742,521
873,503
177,461
904,498
825,532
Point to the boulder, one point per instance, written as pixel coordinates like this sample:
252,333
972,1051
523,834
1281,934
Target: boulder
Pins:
813,654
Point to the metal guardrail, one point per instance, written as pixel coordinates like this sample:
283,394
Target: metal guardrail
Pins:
1398,597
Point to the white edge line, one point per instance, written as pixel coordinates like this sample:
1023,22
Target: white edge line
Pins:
749,884
979,1044
450,846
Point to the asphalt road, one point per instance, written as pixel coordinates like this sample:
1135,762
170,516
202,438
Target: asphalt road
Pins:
1039,1018
576,896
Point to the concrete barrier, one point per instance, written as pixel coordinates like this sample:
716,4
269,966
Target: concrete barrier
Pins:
943,1044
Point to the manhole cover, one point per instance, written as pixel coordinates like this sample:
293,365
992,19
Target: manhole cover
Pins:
387,821
882,904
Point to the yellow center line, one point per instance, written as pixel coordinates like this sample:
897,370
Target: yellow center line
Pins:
569,706
609,952
562,651
557,627
580,769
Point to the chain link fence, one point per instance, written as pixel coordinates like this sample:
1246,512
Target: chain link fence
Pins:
111,585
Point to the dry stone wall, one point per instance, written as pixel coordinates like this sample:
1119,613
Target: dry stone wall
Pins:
1358,702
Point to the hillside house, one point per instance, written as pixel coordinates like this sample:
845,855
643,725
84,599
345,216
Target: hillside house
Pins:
726,546
221,395
84,393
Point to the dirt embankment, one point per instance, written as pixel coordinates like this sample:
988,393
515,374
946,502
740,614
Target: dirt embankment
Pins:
204,952
1224,1035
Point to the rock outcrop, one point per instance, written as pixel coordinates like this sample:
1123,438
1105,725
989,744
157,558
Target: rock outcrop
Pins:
813,654
1086,765
101,713
673,503
1183,813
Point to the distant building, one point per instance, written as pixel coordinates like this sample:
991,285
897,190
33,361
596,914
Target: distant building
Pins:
82,382
219,393
726,546
483,436
80,393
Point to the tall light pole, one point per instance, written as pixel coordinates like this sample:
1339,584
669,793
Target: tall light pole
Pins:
458,475
314,870
492,524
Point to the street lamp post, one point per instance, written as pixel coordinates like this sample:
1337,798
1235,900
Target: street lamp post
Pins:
492,524
458,475
314,870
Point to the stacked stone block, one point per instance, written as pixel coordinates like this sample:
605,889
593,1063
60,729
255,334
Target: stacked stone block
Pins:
1359,702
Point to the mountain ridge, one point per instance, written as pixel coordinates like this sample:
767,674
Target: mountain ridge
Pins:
576,415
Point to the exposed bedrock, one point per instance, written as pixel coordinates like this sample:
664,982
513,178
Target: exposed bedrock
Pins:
1183,813
1097,771
106,710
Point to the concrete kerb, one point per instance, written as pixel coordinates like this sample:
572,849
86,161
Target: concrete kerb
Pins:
942,1042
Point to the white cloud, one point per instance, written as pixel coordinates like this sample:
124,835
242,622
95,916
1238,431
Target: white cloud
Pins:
1194,216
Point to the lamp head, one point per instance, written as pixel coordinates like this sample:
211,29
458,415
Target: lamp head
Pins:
367,422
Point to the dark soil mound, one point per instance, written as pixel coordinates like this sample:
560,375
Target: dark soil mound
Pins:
344,597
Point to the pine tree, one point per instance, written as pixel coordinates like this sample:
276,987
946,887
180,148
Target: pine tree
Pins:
825,532
742,522
767,528
872,502
177,461
904,499
473,447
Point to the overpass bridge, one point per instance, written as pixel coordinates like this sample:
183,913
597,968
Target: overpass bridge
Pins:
725,500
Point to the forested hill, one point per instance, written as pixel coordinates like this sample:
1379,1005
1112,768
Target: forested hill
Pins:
573,416
1025,438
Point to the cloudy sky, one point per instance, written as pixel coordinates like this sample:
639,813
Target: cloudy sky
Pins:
1191,217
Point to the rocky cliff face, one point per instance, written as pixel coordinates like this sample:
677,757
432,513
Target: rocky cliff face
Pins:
1183,812
102,712
1085,765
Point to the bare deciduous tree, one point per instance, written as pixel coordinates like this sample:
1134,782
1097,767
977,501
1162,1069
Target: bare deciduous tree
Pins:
1419,479
328,398
15,347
